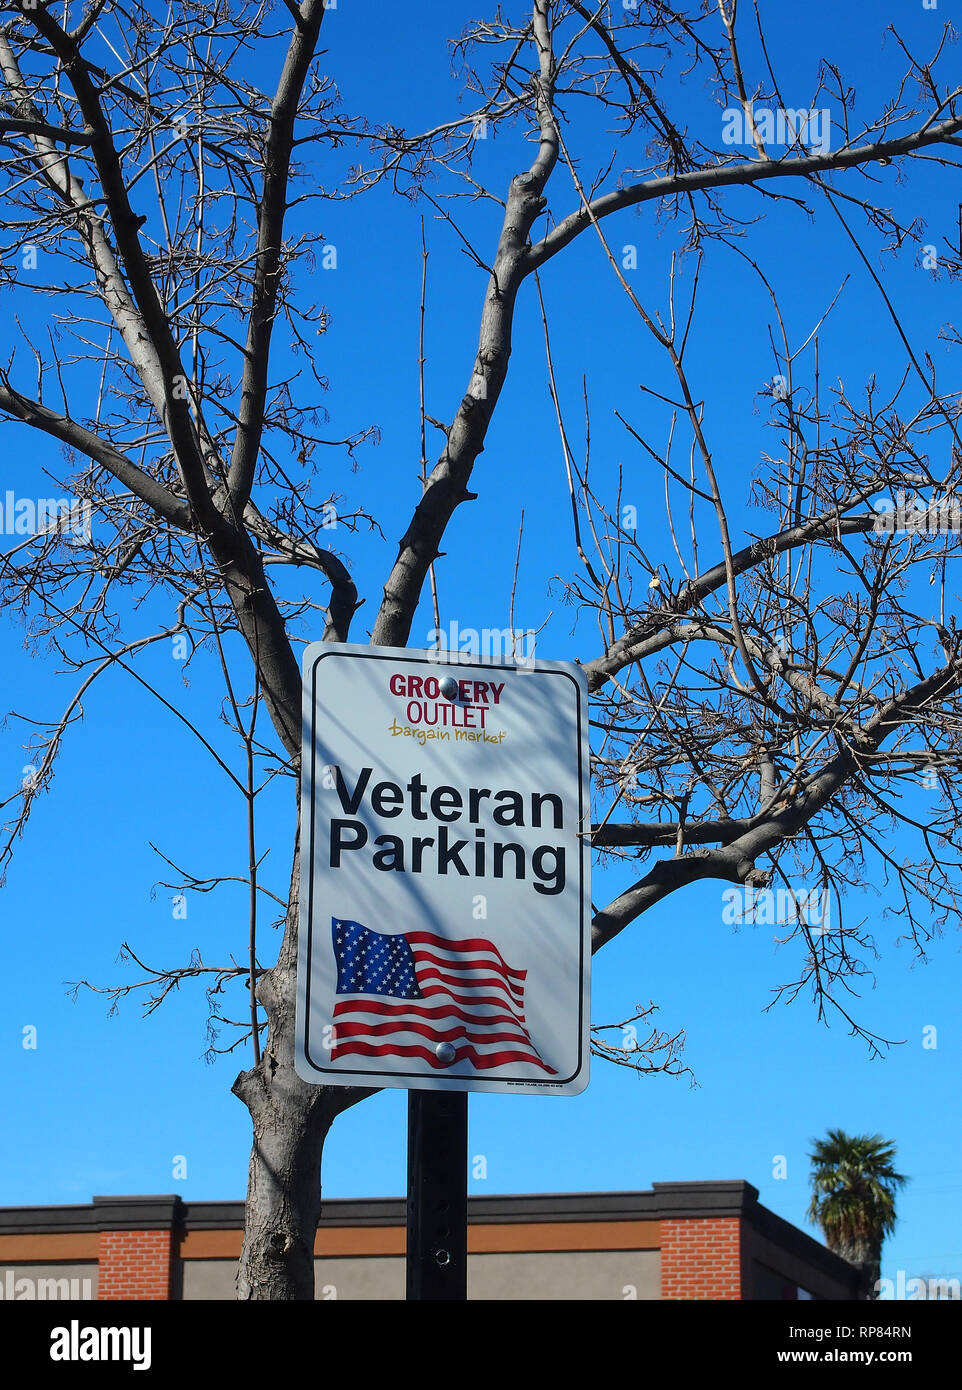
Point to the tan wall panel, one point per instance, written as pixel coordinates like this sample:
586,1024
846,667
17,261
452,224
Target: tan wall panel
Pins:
581,1274
72,1245
210,1245
373,1280
565,1235
364,1277
81,1278
574,1274
361,1240
208,1279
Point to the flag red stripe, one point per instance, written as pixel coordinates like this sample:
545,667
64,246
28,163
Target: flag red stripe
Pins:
426,1030
479,1060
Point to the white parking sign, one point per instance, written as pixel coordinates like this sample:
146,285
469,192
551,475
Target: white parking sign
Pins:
445,901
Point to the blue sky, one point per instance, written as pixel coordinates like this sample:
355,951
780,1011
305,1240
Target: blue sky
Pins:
107,1104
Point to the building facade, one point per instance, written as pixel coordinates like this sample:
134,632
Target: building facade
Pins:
691,1240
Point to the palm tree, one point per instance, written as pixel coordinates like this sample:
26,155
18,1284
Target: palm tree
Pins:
853,1199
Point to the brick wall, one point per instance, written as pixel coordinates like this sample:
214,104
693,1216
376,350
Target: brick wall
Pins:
701,1258
134,1265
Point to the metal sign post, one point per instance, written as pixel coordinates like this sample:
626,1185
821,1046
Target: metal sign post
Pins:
437,1216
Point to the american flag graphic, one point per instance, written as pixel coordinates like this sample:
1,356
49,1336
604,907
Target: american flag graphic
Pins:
428,990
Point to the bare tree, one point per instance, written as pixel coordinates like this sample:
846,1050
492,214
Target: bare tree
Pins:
760,700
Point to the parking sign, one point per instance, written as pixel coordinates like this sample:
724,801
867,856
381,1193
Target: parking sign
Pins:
445,899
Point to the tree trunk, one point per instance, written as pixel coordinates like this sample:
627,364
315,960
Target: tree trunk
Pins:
870,1270
866,1258
291,1119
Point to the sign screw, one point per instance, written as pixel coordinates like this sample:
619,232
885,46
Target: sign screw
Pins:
449,688
446,1053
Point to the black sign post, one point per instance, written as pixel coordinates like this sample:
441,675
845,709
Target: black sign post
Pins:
437,1214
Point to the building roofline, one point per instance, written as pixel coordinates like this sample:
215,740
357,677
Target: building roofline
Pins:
160,1211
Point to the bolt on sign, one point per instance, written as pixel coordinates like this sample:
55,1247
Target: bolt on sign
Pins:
444,914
